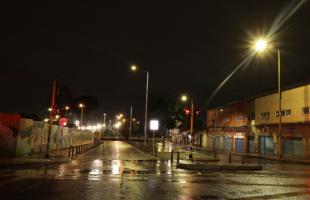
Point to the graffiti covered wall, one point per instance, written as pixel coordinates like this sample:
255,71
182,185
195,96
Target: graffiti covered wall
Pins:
32,137
20,136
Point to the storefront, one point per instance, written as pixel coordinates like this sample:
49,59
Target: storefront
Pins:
293,147
266,145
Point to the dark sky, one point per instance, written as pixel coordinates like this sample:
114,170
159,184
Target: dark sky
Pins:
188,46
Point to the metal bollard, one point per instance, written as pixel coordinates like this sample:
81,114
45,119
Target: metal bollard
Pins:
215,153
242,159
191,157
229,158
171,156
69,152
178,157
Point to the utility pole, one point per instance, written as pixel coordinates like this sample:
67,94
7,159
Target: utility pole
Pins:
192,117
104,118
130,123
280,106
146,107
51,120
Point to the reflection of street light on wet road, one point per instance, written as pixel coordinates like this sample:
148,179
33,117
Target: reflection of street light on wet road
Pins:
82,106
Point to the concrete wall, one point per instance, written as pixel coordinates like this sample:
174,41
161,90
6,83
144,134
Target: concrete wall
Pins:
294,99
32,137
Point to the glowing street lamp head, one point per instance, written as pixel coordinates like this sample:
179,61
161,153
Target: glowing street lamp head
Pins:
133,68
67,107
260,45
184,98
81,105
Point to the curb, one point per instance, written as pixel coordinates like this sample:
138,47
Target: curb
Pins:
208,167
153,158
31,163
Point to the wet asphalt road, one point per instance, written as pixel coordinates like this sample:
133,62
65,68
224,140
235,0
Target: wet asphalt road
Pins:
116,170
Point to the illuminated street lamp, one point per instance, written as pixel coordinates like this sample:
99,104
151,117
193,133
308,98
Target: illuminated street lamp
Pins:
82,106
104,118
260,46
134,68
67,108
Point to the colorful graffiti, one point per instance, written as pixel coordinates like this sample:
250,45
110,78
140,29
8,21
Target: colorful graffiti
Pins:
20,136
32,137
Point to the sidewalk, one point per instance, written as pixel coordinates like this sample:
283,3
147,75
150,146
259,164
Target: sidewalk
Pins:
252,155
37,159
164,153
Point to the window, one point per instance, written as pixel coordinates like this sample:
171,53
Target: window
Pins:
287,112
265,115
239,118
306,110
282,112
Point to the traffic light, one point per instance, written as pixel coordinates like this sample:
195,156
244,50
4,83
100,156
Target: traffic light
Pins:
187,111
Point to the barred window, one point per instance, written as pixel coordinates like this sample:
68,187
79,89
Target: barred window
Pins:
306,110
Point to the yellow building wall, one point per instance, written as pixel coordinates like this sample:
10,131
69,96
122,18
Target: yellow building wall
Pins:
294,99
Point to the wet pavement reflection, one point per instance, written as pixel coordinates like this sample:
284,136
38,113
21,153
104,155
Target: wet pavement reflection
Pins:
117,170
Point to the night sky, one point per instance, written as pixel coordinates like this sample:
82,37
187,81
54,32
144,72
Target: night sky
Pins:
188,47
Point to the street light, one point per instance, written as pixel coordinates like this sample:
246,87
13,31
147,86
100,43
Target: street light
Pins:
134,68
104,118
184,98
81,106
260,46
67,108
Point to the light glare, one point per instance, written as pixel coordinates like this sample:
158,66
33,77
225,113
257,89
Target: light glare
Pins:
260,45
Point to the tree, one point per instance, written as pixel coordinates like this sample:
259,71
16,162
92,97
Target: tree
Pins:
90,102
168,112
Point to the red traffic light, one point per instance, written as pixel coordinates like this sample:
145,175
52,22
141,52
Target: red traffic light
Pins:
187,111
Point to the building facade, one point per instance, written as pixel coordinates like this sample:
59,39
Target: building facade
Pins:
252,125
227,127
295,122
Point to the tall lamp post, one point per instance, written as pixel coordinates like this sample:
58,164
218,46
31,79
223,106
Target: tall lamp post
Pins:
184,98
130,122
104,119
260,46
67,108
134,68
82,106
